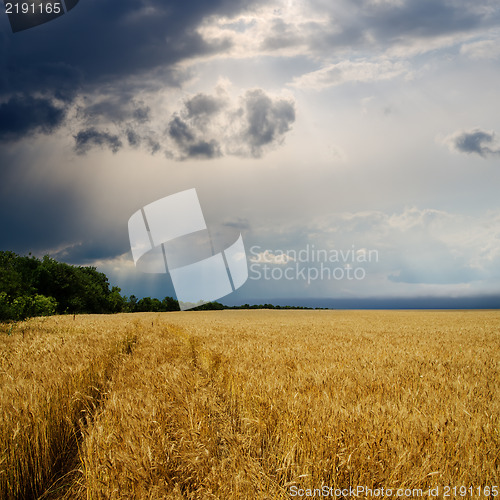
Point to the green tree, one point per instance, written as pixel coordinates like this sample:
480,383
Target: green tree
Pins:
145,304
132,303
116,303
170,304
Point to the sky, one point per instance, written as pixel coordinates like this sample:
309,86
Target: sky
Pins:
355,145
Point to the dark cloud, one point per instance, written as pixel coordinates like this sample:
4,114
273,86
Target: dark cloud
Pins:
210,126
206,127
180,132
188,144
267,120
108,109
106,41
128,118
133,138
112,122
476,141
23,115
141,114
62,80
58,79
203,105
204,149
105,45
189,132
99,57
86,139
115,108
153,145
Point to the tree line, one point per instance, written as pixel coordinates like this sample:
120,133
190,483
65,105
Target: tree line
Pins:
42,287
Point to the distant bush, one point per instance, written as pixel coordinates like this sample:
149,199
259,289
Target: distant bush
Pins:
43,306
26,306
5,307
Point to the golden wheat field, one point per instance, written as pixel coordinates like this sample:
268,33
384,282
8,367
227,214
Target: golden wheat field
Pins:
251,405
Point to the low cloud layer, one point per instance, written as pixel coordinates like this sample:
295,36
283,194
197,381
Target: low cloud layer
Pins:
476,141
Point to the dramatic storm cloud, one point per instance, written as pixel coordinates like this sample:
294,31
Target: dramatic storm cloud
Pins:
102,43
110,40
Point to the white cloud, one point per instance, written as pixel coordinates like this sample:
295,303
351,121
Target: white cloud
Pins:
352,71
483,49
